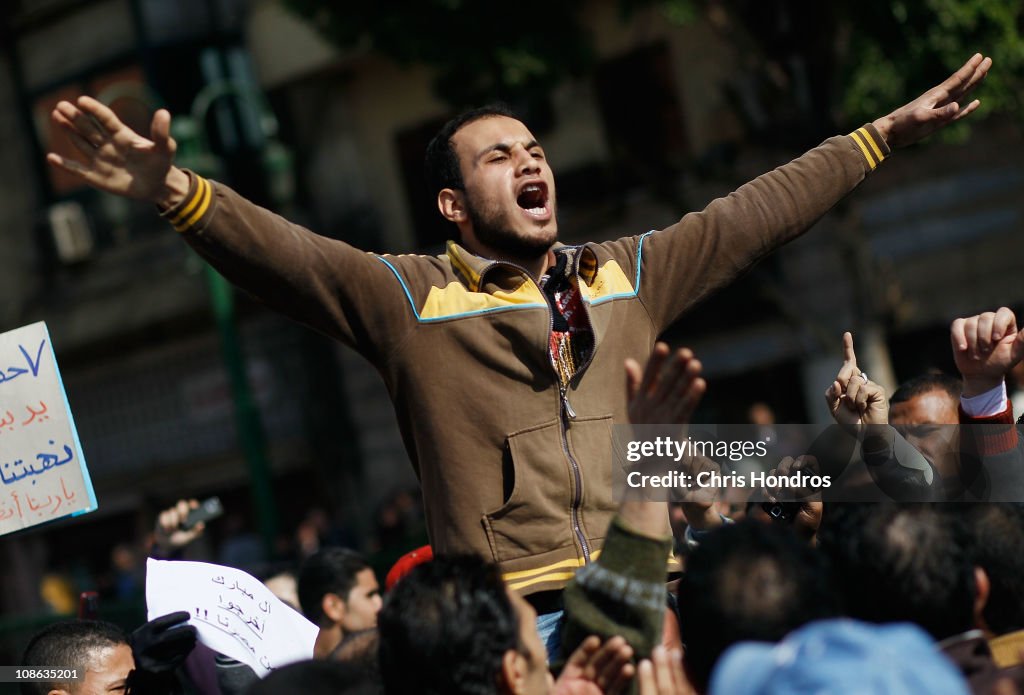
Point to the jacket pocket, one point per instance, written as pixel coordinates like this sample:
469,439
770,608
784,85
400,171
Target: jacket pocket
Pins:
537,516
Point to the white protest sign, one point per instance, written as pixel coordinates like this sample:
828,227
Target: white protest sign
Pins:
234,613
42,470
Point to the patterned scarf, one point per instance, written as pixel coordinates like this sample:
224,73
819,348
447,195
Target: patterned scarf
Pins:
572,340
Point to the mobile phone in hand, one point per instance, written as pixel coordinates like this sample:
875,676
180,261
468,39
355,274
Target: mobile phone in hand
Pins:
781,511
208,510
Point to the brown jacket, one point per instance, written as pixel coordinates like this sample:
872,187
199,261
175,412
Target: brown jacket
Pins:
512,468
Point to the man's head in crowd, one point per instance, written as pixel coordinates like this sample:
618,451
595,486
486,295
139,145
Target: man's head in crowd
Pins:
923,409
997,543
99,651
285,586
360,650
451,627
338,591
493,182
908,562
747,581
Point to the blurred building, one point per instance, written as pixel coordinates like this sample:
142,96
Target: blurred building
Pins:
654,132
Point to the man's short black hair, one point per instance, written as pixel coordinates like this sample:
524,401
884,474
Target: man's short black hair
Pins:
997,544
926,383
316,678
327,571
902,562
445,627
68,644
442,163
747,581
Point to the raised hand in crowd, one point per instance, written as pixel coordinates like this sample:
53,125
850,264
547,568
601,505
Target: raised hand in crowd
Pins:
595,668
698,503
663,674
807,509
985,348
170,534
667,390
938,107
853,399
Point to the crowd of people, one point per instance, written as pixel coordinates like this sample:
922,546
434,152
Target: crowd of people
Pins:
509,358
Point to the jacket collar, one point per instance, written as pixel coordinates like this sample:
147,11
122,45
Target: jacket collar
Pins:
470,268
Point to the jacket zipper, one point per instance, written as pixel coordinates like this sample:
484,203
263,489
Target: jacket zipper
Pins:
566,413
570,414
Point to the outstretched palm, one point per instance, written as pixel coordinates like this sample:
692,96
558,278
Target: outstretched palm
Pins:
937,107
113,157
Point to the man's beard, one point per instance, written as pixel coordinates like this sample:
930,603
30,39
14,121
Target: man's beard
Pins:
492,231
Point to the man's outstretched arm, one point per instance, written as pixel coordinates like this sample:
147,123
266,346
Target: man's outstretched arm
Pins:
707,250
321,282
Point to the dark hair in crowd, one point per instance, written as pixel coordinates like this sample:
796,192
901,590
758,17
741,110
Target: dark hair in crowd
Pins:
445,627
747,581
68,643
925,383
441,162
997,543
316,678
360,649
908,562
327,571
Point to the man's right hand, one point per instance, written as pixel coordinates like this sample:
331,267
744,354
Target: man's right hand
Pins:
116,159
667,390
169,535
985,348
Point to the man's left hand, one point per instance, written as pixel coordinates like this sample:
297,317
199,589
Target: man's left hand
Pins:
936,108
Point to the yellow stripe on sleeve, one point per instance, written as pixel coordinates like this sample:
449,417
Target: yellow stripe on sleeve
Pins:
871,141
204,198
857,138
190,206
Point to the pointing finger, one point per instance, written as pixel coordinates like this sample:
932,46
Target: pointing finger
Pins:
849,355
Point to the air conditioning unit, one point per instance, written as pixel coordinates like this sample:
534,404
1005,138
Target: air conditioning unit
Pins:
72,235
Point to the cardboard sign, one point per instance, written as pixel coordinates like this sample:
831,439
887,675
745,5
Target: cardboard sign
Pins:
42,469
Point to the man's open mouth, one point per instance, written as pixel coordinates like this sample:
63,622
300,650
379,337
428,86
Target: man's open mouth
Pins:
533,198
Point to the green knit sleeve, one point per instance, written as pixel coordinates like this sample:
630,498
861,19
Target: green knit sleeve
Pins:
623,593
